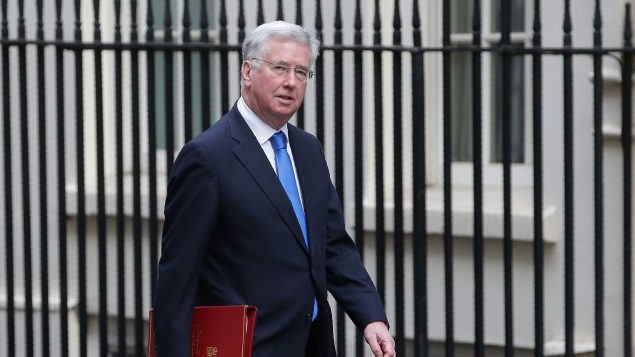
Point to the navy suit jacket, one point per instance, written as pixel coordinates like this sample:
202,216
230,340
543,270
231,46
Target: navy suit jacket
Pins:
231,237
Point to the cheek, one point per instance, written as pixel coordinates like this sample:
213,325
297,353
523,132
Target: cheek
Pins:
300,92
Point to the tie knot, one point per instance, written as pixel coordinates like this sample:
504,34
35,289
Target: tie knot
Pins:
278,140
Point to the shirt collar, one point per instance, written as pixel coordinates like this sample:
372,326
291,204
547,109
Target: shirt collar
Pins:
261,130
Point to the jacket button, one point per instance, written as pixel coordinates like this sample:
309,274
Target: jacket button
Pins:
309,317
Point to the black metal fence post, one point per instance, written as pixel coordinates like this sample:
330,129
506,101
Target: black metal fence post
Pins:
358,59
569,274
398,190
8,184
153,220
43,184
627,163
419,214
137,224
538,240
598,167
477,157
61,184
338,122
506,58
448,238
81,185
26,186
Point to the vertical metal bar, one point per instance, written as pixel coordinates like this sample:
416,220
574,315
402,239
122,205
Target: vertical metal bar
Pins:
44,314
298,20
169,90
319,80
241,22
569,275
279,12
359,151
477,152
400,343
261,13
598,90
121,263
136,186
505,18
538,187
419,228
338,81
241,31
101,186
81,185
187,73
627,157
447,185
153,221
61,183
298,12
206,108
26,178
8,185
224,66
380,221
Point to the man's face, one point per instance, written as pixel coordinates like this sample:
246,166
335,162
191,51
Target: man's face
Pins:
276,97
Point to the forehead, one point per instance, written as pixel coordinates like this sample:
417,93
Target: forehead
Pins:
289,52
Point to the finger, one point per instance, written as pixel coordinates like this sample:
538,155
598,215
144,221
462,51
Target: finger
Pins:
375,347
388,347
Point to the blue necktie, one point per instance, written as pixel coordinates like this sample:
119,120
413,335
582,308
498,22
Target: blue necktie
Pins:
287,179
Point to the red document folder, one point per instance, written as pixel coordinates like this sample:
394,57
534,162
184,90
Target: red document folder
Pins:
218,331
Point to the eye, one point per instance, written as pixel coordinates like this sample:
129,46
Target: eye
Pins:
301,73
278,68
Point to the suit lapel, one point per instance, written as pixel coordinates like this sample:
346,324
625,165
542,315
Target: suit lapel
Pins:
250,154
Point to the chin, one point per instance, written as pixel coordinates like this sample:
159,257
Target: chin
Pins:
286,114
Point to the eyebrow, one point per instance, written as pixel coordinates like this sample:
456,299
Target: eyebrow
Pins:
287,64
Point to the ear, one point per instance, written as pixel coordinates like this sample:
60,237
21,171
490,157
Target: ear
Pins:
246,71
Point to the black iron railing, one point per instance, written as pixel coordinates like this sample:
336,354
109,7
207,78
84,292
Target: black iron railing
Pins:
151,122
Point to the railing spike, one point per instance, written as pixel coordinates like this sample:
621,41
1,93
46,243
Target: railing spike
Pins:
280,12
416,23
223,16
318,17
628,28
597,19
241,21
377,19
537,27
567,18
338,20
396,21
261,13
204,22
298,12
358,16
186,19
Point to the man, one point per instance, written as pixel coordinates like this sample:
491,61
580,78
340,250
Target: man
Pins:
253,218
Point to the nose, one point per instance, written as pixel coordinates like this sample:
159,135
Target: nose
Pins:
290,79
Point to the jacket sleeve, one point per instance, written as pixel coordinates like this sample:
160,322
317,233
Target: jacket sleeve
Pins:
190,217
347,278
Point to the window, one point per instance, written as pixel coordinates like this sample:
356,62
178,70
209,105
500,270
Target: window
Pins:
196,80
462,72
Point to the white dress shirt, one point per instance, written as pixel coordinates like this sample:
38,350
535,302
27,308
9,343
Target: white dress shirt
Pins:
263,133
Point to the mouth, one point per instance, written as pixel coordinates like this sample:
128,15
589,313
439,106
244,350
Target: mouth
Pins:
286,98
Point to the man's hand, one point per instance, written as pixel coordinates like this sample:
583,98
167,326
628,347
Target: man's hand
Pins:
379,339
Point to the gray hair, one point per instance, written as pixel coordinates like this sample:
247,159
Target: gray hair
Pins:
256,43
